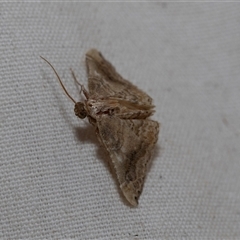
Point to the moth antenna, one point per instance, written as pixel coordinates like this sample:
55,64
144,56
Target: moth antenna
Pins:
82,87
74,77
60,81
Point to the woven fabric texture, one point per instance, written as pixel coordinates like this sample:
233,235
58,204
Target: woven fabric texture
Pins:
55,178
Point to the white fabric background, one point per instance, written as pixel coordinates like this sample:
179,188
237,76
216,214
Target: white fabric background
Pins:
54,180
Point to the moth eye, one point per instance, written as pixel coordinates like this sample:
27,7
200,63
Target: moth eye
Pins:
82,115
80,110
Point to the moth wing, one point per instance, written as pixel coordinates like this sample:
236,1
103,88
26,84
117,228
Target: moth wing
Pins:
103,80
130,144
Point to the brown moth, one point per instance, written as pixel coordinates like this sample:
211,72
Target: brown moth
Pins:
119,112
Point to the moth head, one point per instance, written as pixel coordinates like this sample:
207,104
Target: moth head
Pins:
80,110
131,193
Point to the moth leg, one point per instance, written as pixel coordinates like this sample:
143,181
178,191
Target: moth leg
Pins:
92,120
83,89
98,137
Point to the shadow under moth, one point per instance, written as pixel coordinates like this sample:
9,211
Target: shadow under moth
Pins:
119,112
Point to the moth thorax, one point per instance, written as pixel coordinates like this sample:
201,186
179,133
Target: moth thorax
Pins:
80,110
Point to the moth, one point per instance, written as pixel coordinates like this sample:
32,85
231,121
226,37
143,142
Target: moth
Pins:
119,112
